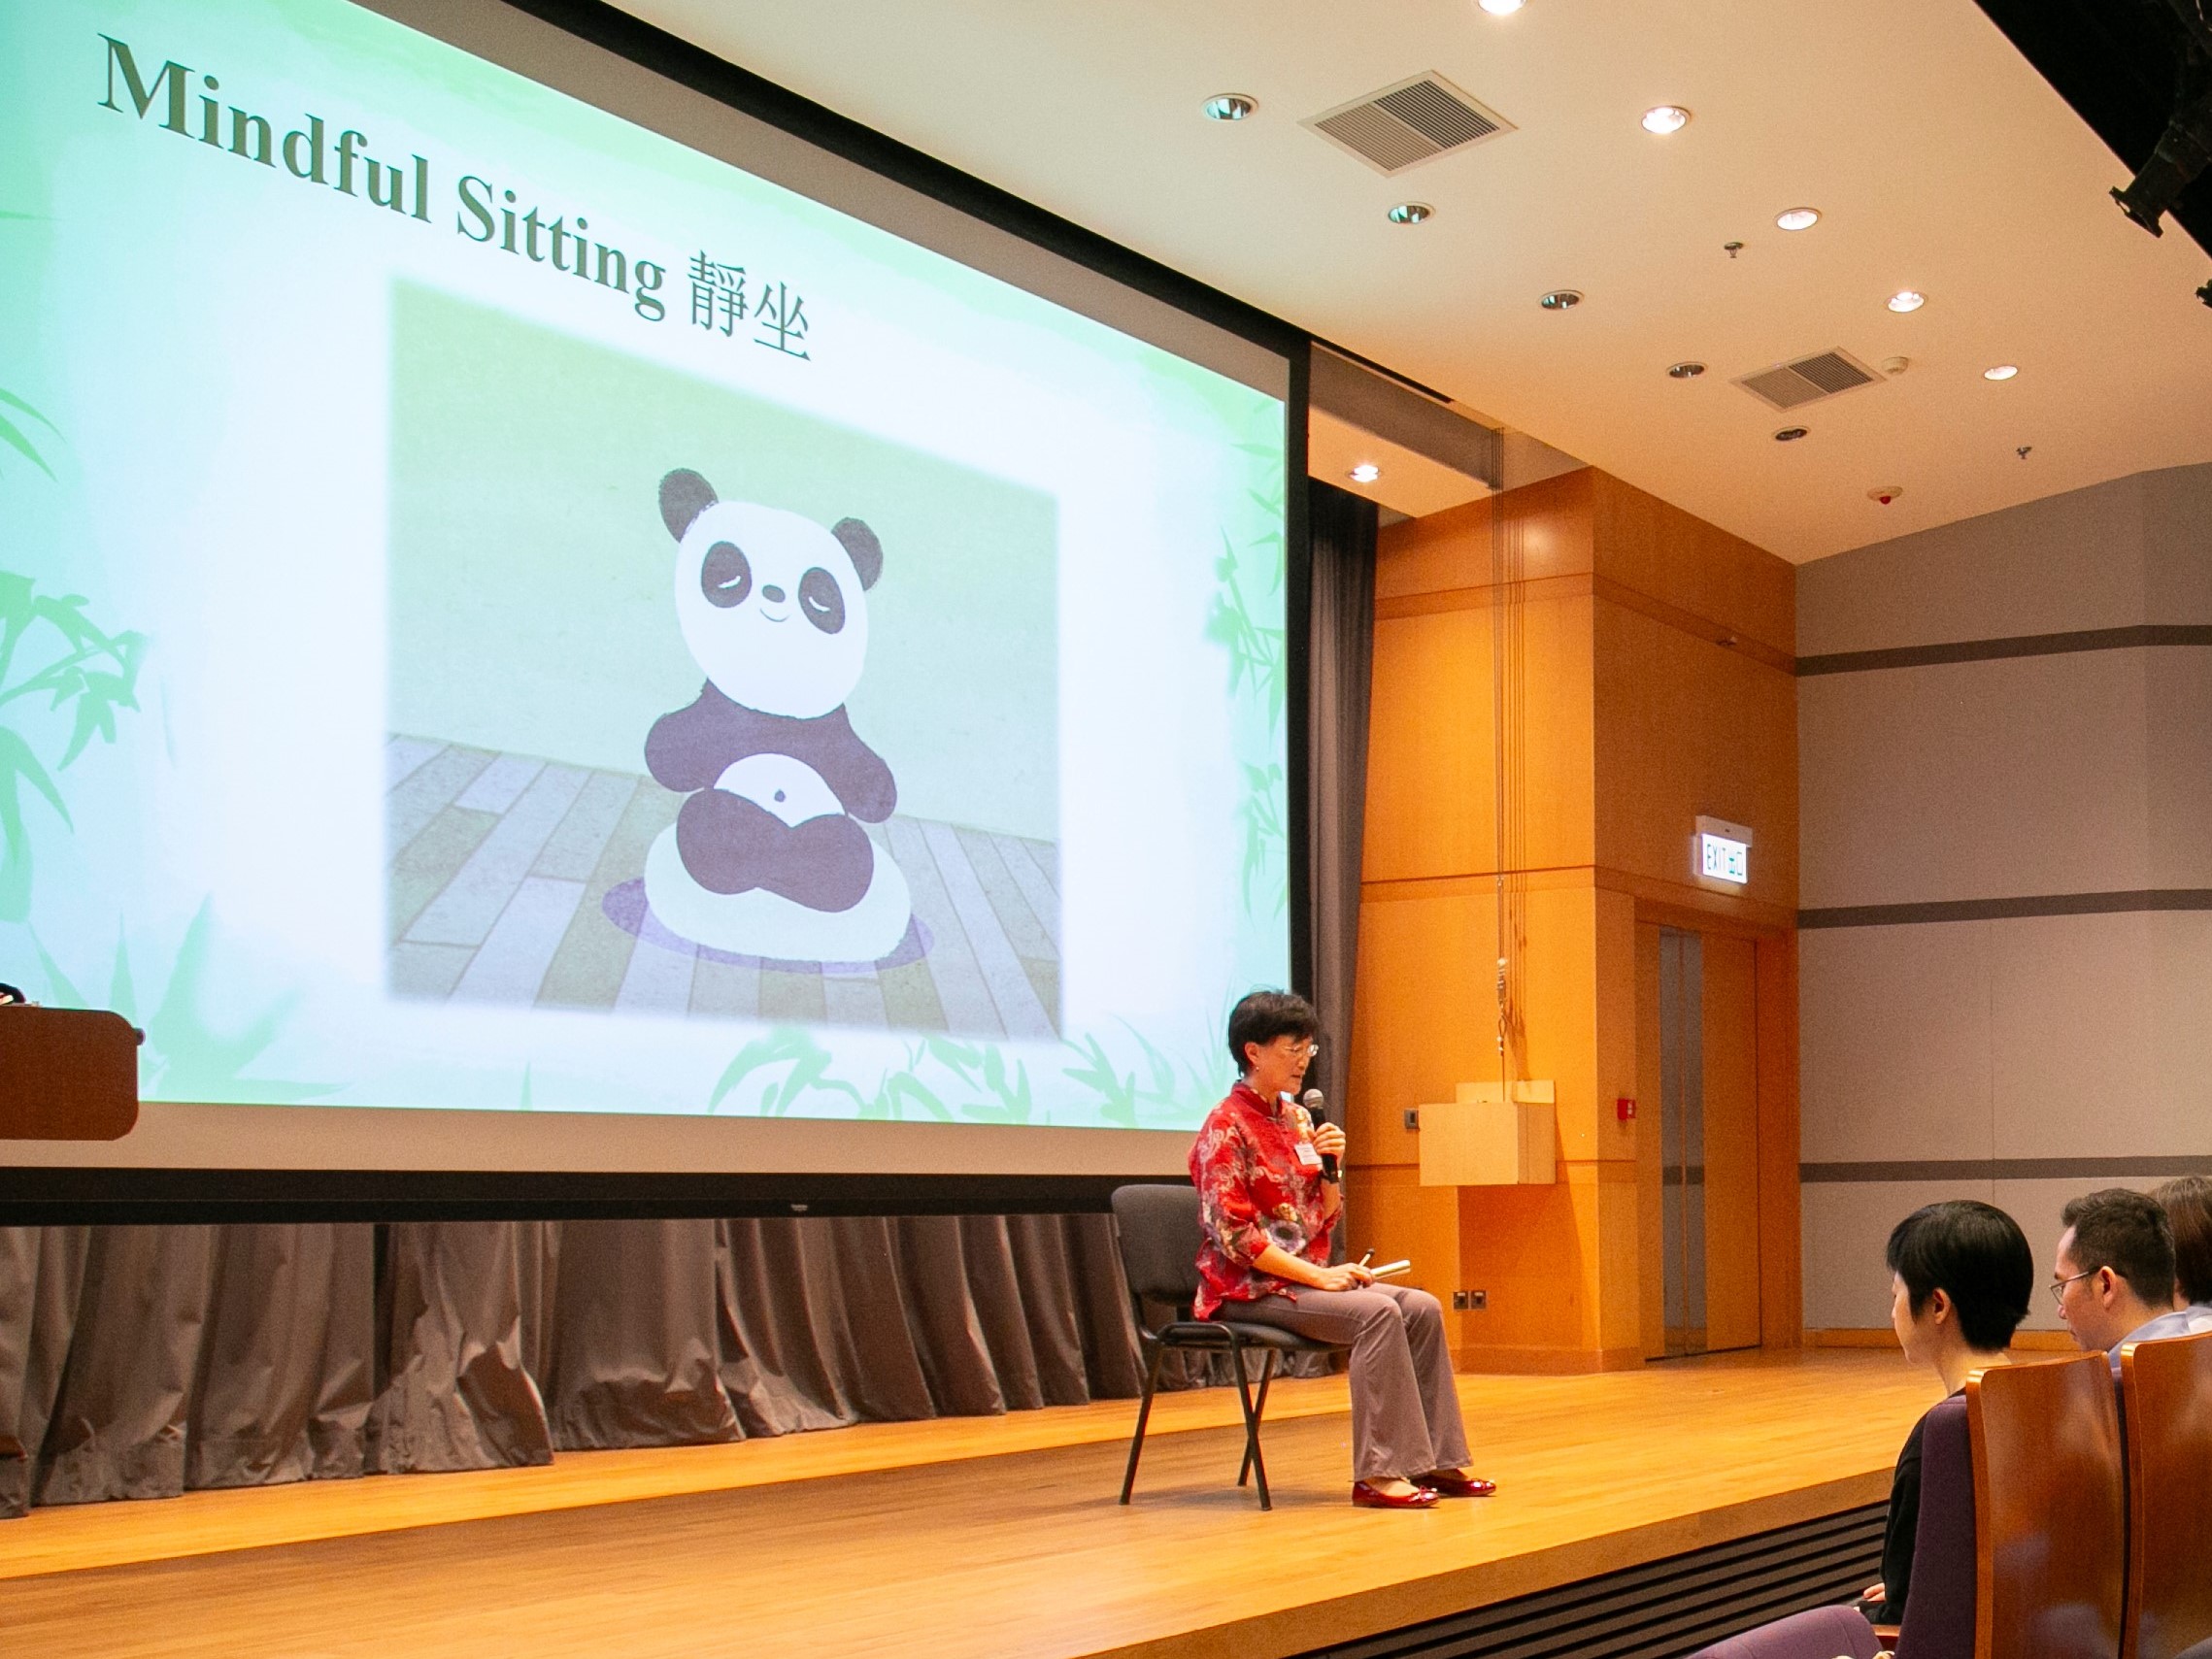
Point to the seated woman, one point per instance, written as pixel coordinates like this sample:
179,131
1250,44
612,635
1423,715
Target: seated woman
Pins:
1961,1279
2187,1204
1267,1210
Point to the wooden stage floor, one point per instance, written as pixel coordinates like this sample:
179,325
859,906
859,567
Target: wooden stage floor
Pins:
995,1537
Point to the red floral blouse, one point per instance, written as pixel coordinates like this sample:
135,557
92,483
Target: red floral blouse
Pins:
1253,1192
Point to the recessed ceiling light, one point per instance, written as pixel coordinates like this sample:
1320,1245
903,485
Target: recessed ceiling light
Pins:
1789,434
1798,219
1561,299
2002,372
1906,299
1501,7
1410,213
1228,106
1366,471
1665,119
1685,371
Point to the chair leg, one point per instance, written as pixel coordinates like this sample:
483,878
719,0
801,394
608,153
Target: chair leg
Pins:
1144,1413
1258,1410
1251,1427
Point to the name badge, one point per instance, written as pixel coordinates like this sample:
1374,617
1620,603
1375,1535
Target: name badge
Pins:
1308,1158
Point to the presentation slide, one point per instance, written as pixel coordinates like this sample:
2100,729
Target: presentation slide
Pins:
500,611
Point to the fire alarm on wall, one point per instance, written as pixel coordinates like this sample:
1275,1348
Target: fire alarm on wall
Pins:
1624,1109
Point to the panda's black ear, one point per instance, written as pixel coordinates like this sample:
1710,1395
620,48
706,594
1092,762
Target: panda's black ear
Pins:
861,544
683,496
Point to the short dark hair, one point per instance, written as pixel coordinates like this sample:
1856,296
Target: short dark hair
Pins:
1975,1254
2127,1230
1264,1016
2187,1204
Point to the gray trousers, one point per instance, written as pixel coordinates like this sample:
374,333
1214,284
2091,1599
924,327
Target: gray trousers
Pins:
1405,1410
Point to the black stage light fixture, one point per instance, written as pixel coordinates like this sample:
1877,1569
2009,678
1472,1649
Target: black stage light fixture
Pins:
2185,149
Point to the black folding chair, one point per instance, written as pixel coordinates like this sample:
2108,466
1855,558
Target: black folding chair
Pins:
1160,1238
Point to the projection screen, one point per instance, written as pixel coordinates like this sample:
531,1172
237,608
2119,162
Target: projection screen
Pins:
553,625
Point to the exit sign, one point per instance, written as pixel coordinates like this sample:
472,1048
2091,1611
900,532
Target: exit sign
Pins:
1722,851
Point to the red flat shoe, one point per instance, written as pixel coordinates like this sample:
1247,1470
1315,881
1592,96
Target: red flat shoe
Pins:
1368,1497
1451,1483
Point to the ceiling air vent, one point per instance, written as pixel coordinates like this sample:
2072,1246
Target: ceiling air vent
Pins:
1392,129
1787,385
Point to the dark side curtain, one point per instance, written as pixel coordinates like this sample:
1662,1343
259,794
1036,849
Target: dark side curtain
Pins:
1340,653
139,1362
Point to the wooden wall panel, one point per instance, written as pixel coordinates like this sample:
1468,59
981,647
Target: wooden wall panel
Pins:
1616,1073
1430,754
1424,1013
1430,758
1387,1211
1604,1199
1450,551
1680,560
1637,721
1732,1142
1683,727
1555,988
1522,1246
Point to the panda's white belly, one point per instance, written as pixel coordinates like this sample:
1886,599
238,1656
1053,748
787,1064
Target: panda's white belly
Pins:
790,789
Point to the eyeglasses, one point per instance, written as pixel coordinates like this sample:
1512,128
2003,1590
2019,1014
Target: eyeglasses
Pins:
2058,1287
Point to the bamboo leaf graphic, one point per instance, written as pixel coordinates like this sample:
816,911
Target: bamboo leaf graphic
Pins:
13,436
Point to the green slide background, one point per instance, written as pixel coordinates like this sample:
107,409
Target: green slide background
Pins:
530,571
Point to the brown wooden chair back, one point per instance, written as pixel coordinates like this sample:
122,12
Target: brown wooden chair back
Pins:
2168,1389
2050,1535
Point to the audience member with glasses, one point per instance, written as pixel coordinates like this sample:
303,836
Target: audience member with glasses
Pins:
2113,1277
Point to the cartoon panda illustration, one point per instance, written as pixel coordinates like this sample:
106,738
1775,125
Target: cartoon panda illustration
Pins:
768,857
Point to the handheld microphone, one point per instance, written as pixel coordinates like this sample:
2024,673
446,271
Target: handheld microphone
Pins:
1316,1108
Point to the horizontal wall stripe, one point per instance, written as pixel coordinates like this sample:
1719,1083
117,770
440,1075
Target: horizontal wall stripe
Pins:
2020,644
2008,1169
2001,910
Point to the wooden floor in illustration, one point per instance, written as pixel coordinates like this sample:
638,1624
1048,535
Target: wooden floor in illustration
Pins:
500,866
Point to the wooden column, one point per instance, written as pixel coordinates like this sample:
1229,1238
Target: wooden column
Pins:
1633,717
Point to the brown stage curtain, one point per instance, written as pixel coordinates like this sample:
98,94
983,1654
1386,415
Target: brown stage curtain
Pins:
139,1362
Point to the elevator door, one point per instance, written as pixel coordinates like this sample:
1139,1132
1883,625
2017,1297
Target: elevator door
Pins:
1708,1142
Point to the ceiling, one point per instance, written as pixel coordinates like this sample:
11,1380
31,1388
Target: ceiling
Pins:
1406,482
1939,159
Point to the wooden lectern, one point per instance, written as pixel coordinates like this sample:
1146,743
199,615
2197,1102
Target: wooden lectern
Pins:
67,1074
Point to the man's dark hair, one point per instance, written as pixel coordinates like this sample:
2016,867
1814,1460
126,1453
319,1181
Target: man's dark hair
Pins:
2188,1206
1975,1254
1264,1016
2127,1232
